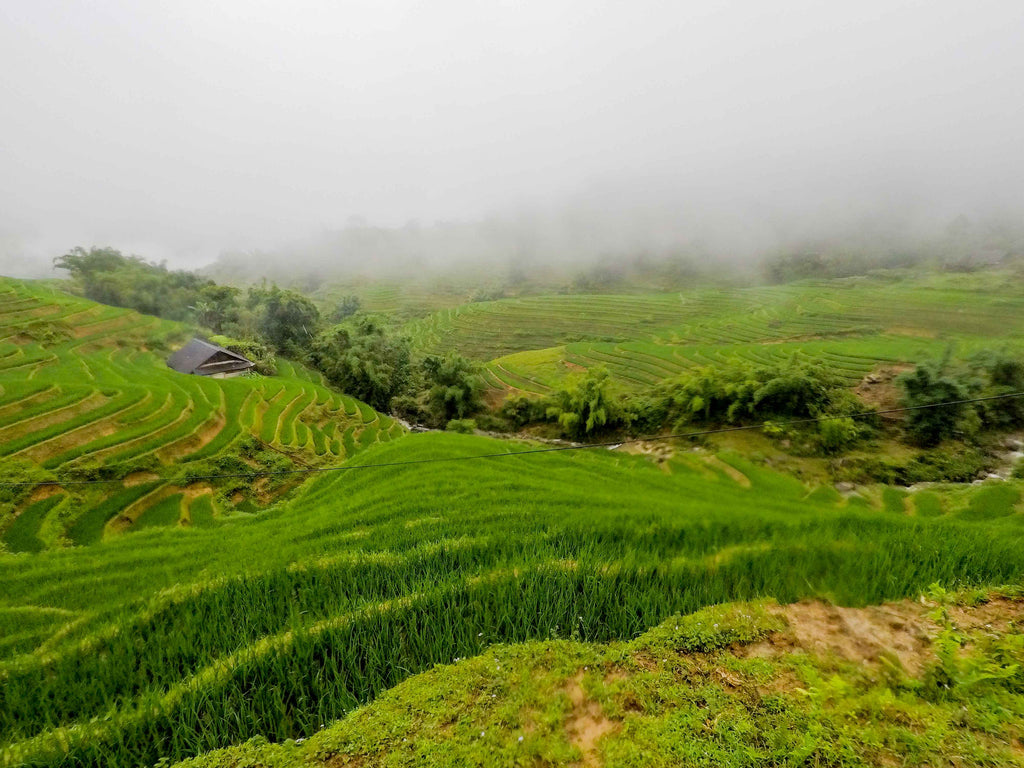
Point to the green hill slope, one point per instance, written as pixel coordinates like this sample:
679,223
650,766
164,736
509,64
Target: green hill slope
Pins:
171,644
85,395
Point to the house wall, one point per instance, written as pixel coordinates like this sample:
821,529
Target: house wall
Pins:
227,374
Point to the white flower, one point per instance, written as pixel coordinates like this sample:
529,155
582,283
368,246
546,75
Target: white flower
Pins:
520,738
482,734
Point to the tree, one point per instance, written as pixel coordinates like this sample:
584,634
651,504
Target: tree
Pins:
217,307
926,386
363,360
286,319
108,276
84,264
453,387
345,308
998,373
585,405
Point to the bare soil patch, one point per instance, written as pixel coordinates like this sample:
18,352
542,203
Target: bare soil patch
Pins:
867,634
44,492
138,478
999,614
879,388
730,471
658,451
587,722
919,333
194,442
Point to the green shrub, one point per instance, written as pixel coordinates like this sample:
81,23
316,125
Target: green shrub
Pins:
585,406
521,410
453,387
961,464
923,388
257,351
839,434
363,360
463,426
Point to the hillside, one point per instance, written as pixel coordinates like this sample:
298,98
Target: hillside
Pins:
85,396
531,344
736,685
135,648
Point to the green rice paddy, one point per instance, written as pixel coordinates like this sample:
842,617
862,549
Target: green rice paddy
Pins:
532,344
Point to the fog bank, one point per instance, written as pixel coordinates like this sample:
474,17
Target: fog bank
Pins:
558,130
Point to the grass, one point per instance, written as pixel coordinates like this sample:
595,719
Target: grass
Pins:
166,512
22,534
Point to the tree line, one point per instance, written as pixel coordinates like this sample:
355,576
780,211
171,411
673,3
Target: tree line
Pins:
356,352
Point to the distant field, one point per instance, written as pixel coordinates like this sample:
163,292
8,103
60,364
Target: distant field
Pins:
402,301
290,620
81,389
531,344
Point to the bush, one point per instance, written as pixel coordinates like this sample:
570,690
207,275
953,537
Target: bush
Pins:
345,308
453,387
1001,374
839,434
925,387
108,276
462,426
584,407
953,465
256,351
988,374
285,319
521,410
364,361
738,391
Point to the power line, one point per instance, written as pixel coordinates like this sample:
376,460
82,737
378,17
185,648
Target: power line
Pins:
528,451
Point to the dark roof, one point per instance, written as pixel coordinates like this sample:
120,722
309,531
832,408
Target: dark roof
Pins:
203,358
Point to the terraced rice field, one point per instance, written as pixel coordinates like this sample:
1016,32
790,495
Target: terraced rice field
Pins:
402,301
531,344
84,394
164,645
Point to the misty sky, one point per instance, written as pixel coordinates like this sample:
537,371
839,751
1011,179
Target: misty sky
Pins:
178,129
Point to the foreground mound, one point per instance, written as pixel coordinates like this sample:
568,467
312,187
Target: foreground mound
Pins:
735,685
